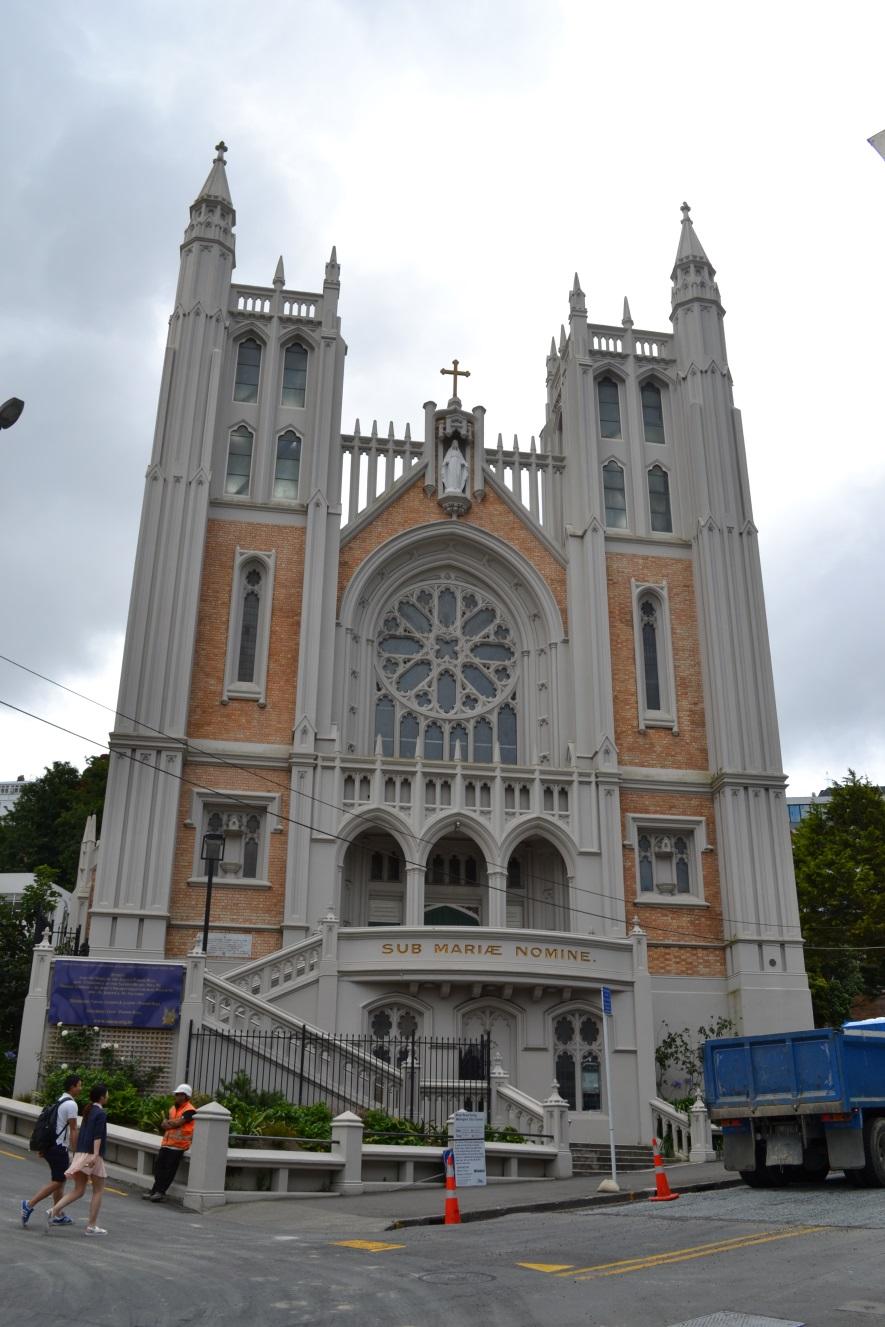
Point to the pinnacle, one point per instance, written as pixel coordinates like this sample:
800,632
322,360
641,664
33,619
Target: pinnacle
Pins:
215,185
333,268
552,354
279,276
689,244
627,319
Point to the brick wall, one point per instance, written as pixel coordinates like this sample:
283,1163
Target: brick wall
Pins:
671,930
657,748
414,508
244,720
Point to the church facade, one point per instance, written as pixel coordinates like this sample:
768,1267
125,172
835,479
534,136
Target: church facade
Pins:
485,729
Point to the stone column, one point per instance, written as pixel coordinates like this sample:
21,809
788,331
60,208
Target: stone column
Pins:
556,1123
498,899
347,1142
499,1077
191,1011
414,896
702,1148
208,1158
30,1041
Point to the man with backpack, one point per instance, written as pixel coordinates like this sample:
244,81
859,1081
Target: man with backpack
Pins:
62,1122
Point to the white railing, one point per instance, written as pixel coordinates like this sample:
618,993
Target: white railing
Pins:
515,1108
670,1123
373,466
260,302
497,793
534,479
626,341
280,972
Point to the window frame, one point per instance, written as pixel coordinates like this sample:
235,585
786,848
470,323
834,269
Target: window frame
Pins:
240,427
661,390
294,345
262,348
608,377
664,470
667,715
278,437
204,802
256,690
692,828
613,461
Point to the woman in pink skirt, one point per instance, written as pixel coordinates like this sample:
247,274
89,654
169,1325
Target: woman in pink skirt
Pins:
88,1163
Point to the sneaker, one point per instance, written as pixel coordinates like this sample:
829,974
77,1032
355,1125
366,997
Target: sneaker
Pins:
95,1230
158,1197
63,1220
148,1196
27,1212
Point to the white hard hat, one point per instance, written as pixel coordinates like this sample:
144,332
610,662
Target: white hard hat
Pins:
183,1087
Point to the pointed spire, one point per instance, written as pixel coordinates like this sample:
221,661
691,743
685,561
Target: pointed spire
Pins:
627,319
407,436
356,428
563,342
553,354
374,428
333,267
693,275
576,302
689,244
279,276
390,433
216,185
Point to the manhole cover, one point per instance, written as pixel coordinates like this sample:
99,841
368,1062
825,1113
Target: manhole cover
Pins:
454,1278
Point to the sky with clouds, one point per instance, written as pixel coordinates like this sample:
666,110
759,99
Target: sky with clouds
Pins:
466,159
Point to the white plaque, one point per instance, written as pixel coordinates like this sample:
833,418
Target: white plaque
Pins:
230,944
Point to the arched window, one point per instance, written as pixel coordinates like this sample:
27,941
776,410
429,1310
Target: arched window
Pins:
609,408
446,656
576,1037
249,626
652,412
648,613
249,621
288,464
614,495
667,862
248,370
294,376
384,721
659,499
239,462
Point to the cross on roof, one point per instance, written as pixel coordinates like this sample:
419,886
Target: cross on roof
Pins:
456,373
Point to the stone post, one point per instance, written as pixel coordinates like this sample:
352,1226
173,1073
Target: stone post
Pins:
702,1148
30,1041
327,973
208,1158
499,1076
644,1029
191,1011
556,1123
410,1087
347,1142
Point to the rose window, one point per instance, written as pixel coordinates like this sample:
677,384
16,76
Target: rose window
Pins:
447,663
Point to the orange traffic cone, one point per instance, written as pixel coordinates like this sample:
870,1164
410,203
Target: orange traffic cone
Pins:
453,1211
663,1193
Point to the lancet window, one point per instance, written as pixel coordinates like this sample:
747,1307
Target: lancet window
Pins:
609,408
294,376
659,499
576,1043
248,370
288,465
446,676
615,496
239,462
652,412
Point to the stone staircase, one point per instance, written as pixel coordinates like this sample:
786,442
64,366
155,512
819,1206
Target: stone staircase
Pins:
595,1159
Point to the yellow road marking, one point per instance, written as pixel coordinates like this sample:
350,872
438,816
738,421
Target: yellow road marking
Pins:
712,1245
546,1266
121,1192
368,1245
16,1156
687,1255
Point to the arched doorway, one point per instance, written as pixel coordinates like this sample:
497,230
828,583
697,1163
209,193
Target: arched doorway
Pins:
456,891
374,885
537,887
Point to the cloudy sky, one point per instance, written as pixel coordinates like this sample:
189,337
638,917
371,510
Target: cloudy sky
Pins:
466,158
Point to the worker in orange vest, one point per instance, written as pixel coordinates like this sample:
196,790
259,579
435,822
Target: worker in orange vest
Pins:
178,1130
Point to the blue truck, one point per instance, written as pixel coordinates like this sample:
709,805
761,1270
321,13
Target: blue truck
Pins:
796,1105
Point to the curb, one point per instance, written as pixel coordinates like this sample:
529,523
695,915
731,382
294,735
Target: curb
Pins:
561,1205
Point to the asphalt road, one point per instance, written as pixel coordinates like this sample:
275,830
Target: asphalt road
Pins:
811,1256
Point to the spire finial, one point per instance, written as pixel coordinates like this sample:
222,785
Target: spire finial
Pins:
685,209
220,149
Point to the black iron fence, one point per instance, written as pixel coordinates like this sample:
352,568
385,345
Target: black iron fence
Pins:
421,1079
64,939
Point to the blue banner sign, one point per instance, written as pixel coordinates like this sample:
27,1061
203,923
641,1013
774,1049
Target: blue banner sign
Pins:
135,995
606,1000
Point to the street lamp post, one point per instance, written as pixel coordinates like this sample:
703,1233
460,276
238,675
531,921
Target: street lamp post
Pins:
211,852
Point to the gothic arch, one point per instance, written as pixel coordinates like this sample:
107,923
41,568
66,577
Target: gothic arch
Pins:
299,336
246,330
463,824
539,827
609,368
512,1026
377,818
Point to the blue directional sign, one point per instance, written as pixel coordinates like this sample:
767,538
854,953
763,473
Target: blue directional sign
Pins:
606,1000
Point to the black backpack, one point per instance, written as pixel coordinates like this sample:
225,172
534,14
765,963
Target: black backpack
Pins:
45,1132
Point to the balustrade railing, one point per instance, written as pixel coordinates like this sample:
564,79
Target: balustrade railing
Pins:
373,465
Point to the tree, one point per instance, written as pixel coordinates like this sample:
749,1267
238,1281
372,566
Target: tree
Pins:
46,823
18,923
839,856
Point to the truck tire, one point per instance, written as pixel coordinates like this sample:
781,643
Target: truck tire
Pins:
764,1177
815,1163
874,1148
